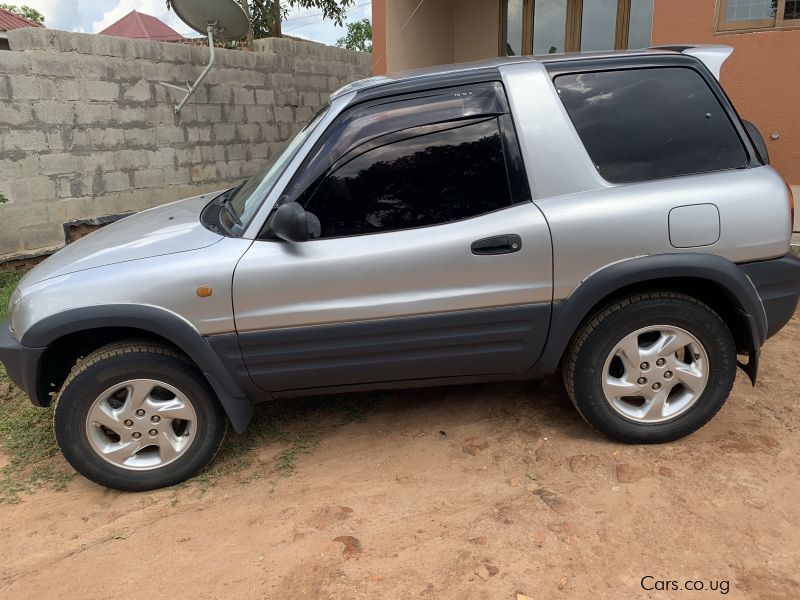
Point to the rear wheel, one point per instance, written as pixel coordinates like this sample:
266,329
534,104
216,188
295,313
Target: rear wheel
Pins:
651,368
137,416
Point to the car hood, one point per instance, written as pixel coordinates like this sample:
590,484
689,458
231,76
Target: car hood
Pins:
166,229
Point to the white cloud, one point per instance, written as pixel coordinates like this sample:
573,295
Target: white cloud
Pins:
58,14
156,8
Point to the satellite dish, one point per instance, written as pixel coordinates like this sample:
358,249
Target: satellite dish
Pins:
226,17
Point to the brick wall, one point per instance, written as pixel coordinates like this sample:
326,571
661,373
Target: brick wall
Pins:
86,130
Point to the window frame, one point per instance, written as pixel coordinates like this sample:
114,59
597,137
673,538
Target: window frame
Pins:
778,22
516,175
573,26
556,69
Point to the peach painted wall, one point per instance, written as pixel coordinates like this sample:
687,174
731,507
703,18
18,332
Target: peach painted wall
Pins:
476,29
419,35
761,76
440,32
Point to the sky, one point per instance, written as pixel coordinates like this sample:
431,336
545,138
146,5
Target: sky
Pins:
91,16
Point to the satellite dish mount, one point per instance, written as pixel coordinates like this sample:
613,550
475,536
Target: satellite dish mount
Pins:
189,89
223,19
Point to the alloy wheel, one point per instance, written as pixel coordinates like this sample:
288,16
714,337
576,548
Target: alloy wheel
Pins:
141,424
654,374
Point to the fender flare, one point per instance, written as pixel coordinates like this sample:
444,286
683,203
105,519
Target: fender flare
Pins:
158,321
569,313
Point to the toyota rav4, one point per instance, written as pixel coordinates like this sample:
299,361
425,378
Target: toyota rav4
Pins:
608,215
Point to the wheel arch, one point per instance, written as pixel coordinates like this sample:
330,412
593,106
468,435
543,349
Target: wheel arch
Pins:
68,335
712,279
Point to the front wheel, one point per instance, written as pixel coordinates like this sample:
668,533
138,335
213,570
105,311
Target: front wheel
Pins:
651,368
137,416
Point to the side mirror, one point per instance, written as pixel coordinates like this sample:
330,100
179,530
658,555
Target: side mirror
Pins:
290,223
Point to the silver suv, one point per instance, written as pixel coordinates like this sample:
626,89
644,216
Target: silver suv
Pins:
608,215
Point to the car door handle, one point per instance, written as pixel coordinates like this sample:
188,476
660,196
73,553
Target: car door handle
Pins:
499,244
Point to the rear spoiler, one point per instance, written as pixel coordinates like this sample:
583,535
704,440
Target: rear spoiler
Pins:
712,56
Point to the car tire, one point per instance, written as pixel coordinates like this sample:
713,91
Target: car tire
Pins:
686,367
137,416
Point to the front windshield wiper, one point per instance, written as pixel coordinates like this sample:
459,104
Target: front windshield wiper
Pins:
226,203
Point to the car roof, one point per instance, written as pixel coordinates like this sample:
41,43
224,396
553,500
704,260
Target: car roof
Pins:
466,70
443,71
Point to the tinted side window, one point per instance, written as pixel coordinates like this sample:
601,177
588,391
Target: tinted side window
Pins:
641,124
374,119
426,178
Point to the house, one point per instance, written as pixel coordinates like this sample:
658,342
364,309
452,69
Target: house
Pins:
760,76
9,21
141,26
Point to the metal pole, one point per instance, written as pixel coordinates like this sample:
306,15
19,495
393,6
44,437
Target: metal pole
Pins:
189,89
211,58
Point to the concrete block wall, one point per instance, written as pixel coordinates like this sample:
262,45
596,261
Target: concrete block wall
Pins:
86,129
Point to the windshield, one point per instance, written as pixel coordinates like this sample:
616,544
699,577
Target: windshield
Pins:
248,199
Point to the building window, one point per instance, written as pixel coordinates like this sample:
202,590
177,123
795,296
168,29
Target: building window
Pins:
549,26
554,26
737,15
640,24
513,45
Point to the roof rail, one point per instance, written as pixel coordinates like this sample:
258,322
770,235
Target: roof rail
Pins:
711,55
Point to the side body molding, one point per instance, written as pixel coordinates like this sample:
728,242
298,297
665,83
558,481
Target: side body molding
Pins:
159,322
569,313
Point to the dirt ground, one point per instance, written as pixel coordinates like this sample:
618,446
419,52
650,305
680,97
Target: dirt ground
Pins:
462,492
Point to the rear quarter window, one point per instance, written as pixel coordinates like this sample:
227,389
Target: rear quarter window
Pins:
641,124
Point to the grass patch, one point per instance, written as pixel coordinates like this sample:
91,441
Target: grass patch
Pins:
301,443
26,432
29,445
8,281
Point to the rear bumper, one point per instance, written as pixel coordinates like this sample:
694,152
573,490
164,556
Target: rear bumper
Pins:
777,282
21,364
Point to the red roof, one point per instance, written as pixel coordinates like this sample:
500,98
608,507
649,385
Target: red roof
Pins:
141,26
9,21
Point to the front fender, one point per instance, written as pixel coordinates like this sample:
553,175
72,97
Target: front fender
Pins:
158,321
568,314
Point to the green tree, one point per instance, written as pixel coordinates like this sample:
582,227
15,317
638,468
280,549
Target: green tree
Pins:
266,15
25,11
262,18
358,37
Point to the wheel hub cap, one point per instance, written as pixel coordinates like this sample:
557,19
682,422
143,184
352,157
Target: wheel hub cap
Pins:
141,424
655,374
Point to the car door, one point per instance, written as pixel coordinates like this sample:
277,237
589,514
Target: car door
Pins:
431,261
